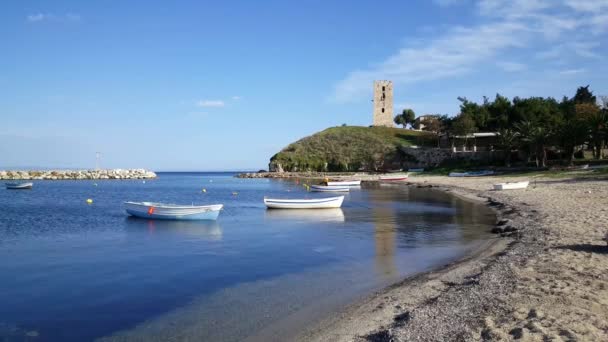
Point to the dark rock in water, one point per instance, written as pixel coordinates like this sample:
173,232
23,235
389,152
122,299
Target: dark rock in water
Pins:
503,222
517,333
510,228
498,230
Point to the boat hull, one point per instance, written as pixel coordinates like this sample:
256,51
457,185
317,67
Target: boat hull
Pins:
511,186
393,178
159,211
471,174
344,183
19,186
329,188
320,203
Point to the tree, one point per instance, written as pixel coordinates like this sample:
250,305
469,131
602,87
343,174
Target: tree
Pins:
409,116
584,95
536,136
572,131
479,114
463,126
400,120
507,139
499,113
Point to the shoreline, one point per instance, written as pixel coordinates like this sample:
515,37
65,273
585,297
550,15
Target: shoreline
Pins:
493,293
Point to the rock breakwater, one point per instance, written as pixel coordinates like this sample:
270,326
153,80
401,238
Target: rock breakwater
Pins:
77,174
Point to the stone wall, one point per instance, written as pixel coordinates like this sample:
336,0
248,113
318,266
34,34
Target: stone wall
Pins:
433,157
383,103
78,174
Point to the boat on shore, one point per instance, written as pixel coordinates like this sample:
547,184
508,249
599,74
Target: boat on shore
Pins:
344,183
471,174
329,188
420,169
162,211
511,185
394,178
317,203
19,186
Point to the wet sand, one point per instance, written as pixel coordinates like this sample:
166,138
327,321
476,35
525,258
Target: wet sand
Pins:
546,281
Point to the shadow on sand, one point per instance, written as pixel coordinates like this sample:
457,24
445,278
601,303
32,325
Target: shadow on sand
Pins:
585,247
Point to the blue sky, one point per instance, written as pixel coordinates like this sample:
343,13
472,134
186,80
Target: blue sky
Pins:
195,85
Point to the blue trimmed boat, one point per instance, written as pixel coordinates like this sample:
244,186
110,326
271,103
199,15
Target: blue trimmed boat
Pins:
329,188
317,203
161,211
19,186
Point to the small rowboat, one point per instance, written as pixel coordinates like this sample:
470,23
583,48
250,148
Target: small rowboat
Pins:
421,169
344,183
329,188
471,174
511,185
318,203
19,186
394,178
161,211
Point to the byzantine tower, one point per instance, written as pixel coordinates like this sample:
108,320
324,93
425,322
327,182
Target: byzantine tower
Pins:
383,103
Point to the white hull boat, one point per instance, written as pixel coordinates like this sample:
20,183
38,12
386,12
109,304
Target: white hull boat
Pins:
317,203
511,185
329,188
161,211
393,178
344,183
19,186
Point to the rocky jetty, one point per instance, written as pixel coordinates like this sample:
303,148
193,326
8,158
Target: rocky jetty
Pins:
78,174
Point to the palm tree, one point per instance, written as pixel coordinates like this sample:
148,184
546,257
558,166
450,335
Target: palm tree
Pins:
508,139
536,136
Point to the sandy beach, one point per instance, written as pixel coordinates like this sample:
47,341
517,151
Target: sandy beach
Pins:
544,279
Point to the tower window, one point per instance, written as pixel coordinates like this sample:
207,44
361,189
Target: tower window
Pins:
382,110
383,88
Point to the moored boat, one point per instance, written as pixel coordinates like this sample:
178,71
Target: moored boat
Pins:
393,178
161,211
329,188
471,174
344,183
317,203
19,186
421,169
511,185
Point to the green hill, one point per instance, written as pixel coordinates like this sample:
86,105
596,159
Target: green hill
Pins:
350,148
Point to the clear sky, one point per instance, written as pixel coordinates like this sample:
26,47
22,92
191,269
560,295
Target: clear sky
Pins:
223,85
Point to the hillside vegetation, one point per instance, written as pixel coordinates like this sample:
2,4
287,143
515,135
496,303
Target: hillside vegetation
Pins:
350,148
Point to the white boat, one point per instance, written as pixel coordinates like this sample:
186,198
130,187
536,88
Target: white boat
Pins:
471,174
19,186
394,178
161,211
329,188
511,185
317,203
344,183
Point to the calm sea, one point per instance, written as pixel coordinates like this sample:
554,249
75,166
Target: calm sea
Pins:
70,271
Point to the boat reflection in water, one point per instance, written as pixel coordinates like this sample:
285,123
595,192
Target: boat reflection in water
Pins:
204,230
311,215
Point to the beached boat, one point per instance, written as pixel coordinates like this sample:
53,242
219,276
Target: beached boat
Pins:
161,211
421,169
317,203
329,188
471,174
19,186
393,178
511,185
344,183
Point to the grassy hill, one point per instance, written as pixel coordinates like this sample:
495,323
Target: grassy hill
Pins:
350,148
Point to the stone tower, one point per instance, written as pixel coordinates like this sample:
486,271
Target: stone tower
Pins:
383,103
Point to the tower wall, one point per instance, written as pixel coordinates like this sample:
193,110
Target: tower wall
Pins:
383,103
